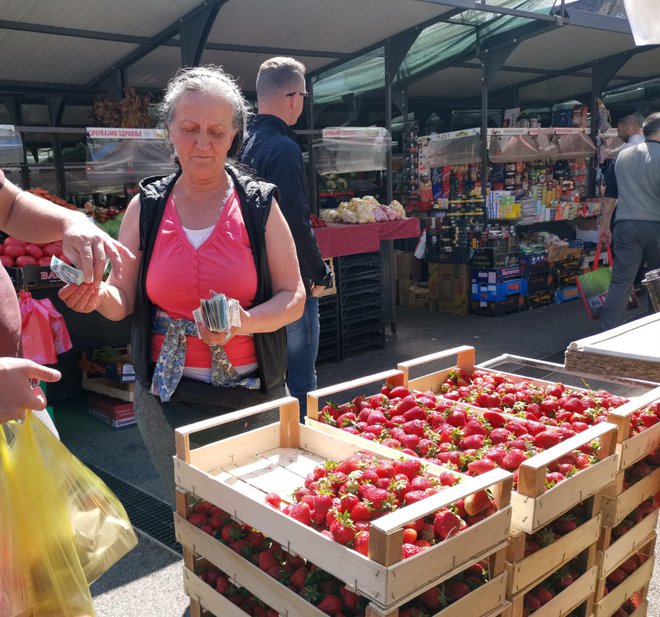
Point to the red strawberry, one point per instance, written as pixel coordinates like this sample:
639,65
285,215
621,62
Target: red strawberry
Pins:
564,525
495,418
553,478
456,590
472,442
301,512
362,512
342,530
531,602
350,600
500,435
361,543
542,594
198,520
616,577
476,502
629,565
434,599
409,467
267,560
330,605
547,439
299,577
446,523
222,584
410,550
479,466
513,459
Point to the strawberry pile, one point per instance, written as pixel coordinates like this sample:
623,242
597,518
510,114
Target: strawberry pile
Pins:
641,469
341,499
239,596
645,418
545,591
316,586
552,404
468,440
559,527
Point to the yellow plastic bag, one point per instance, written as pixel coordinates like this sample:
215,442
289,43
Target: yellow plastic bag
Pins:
55,579
13,592
103,534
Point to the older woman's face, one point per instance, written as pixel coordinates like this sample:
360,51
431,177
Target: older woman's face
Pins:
201,131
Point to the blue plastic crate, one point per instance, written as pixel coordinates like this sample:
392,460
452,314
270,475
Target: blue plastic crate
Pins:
499,291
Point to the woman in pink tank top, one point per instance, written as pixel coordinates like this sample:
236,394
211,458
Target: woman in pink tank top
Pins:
200,244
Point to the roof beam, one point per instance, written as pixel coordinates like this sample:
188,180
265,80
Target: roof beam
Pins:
23,26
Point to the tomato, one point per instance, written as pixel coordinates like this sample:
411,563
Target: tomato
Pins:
52,249
14,241
43,261
33,250
25,260
2,250
14,250
7,261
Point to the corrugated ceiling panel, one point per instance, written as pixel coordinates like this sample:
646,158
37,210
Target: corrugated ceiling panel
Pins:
154,70
55,59
449,83
142,18
341,25
644,65
557,89
568,46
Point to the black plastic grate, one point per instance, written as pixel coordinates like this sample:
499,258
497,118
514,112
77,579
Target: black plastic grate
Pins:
150,515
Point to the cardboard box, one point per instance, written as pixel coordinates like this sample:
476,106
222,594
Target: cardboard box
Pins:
407,266
418,297
403,289
449,286
498,292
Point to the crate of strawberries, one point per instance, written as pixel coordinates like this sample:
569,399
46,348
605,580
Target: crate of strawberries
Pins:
554,467
387,526
260,577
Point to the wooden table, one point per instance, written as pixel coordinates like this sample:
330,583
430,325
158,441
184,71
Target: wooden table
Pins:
631,350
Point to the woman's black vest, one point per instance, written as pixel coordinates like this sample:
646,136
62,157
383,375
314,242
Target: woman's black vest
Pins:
255,199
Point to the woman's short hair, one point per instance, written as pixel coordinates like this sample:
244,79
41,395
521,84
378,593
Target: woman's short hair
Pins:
213,80
279,74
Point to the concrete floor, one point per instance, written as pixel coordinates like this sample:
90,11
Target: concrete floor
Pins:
148,582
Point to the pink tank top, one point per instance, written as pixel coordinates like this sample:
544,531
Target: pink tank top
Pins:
179,275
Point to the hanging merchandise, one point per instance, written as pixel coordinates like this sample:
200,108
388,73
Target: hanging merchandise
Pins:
43,332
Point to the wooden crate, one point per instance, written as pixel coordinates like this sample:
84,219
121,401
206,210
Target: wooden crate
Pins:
526,572
101,385
638,581
581,591
635,448
489,599
612,554
619,503
533,505
237,472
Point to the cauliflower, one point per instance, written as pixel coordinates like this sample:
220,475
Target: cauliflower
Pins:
398,209
365,212
330,215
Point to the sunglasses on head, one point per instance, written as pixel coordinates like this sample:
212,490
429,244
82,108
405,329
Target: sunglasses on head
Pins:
303,94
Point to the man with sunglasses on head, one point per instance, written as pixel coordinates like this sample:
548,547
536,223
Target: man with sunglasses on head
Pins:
272,151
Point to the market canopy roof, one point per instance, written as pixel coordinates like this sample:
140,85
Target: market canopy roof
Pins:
79,47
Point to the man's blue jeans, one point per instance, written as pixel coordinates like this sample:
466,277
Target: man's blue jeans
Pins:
302,339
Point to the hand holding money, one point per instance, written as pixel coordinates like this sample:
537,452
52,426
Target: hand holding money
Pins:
65,272
218,314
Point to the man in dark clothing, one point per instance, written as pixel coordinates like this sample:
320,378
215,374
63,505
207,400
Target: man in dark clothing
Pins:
272,151
635,183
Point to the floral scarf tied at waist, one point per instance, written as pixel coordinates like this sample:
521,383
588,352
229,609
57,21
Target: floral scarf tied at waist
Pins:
172,358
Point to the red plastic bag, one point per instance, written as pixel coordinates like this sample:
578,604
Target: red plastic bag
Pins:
36,331
61,337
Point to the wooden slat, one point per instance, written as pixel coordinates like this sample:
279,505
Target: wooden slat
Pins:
615,509
630,542
203,595
615,598
465,357
245,574
539,565
571,597
317,398
532,513
637,447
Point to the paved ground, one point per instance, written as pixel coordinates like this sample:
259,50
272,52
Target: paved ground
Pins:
148,582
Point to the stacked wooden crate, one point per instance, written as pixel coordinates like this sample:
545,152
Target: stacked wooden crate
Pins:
236,474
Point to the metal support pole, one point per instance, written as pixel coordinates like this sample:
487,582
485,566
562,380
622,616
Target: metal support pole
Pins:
601,74
55,111
194,33
311,155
